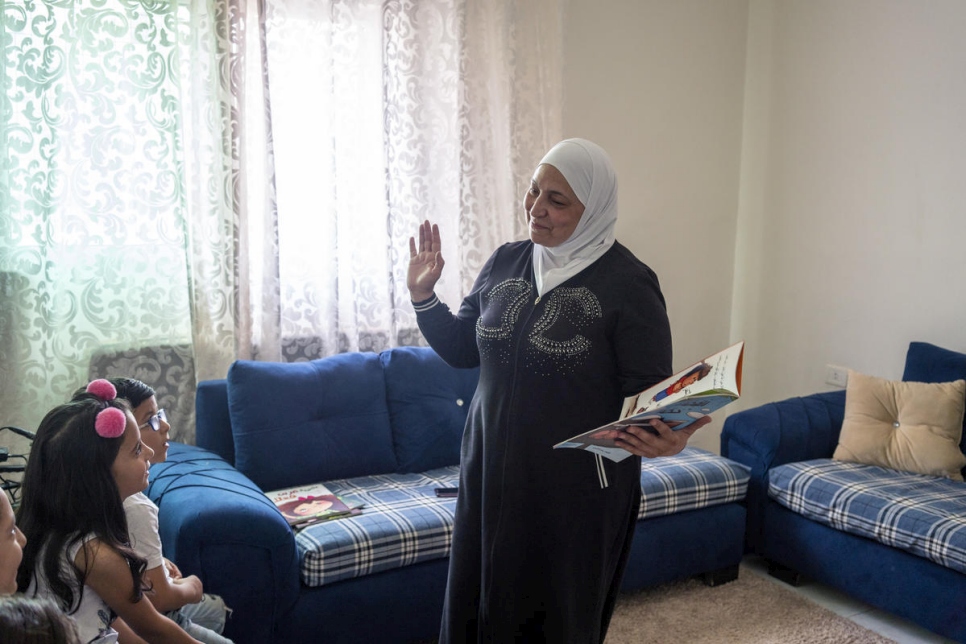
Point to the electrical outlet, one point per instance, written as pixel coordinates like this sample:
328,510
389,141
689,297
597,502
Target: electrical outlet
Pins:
838,376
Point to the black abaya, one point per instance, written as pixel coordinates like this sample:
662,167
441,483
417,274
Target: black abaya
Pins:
542,535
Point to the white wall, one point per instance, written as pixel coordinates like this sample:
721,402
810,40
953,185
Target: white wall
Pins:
807,157
659,84
853,202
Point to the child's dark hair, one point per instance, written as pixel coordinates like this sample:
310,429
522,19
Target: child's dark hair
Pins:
132,390
33,620
69,493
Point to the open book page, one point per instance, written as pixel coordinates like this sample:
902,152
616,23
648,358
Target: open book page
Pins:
678,401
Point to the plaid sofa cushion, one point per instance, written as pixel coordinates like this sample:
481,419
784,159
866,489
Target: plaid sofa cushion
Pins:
691,480
923,515
403,522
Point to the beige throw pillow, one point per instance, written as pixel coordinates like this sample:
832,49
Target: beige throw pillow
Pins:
909,426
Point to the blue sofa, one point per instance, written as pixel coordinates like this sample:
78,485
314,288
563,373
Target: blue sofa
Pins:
899,544
382,429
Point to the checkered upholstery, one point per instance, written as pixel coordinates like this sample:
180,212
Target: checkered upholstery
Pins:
923,515
691,480
403,522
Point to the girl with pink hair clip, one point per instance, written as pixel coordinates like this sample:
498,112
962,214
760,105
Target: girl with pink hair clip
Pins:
86,459
182,598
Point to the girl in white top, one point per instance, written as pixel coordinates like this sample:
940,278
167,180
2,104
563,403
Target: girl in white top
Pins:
179,597
86,459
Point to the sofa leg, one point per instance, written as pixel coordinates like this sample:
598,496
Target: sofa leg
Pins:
783,573
720,576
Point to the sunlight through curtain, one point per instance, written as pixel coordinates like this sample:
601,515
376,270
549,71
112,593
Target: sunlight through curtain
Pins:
380,114
94,213
188,183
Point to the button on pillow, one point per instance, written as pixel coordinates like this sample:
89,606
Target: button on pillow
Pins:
909,426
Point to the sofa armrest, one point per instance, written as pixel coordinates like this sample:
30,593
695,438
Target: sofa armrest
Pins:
212,419
796,429
215,523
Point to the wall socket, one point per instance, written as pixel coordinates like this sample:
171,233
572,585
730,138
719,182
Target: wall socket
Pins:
838,376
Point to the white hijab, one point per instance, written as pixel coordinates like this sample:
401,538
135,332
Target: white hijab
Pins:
588,170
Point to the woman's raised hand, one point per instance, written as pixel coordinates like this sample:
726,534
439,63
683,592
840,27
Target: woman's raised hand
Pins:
425,263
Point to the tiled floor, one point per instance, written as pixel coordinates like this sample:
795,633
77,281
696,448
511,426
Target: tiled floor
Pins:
887,625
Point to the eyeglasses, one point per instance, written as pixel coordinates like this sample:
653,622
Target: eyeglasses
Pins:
154,422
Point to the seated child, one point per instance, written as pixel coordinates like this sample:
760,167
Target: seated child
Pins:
12,542
32,620
181,598
87,458
25,620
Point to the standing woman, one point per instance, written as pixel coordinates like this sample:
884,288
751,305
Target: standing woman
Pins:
564,326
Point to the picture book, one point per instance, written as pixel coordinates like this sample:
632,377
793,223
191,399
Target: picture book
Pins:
678,401
307,504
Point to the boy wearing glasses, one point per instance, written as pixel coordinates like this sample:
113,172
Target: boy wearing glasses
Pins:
181,598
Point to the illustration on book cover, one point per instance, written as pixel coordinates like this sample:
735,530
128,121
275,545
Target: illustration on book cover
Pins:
310,504
678,401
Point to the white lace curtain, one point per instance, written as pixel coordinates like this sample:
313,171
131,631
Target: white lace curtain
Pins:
245,187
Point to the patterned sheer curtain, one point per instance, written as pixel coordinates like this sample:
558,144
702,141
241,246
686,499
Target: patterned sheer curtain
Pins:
97,217
188,183
380,114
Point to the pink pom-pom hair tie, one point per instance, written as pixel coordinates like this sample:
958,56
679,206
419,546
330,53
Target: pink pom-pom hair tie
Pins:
102,388
110,422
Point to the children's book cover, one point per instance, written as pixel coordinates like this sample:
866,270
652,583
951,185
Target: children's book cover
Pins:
678,401
310,504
